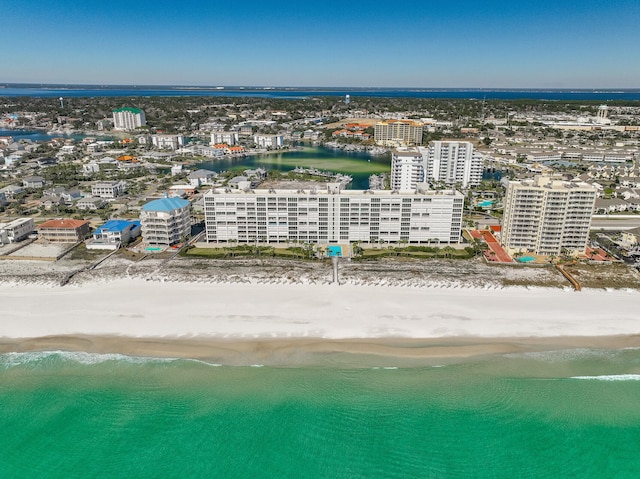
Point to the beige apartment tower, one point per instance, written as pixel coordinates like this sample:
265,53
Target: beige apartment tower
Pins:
398,133
547,216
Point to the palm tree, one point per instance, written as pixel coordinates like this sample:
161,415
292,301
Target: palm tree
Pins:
448,251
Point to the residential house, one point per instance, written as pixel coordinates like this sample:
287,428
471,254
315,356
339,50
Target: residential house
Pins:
239,183
630,239
67,195
64,230
108,189
51,201
181,190
33,182
201,177
114,233
610,205
11,191
91,204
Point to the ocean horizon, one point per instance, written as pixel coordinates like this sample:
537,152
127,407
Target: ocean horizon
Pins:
567,413
57,90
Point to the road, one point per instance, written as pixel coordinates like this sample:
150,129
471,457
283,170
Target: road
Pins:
616,224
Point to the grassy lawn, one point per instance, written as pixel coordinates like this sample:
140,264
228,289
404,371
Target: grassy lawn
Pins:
228,252
411,253
81,252
207,252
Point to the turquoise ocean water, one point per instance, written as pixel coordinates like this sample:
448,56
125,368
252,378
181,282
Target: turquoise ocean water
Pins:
558,414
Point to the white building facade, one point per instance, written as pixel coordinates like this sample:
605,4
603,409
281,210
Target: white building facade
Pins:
167,142
228,137
333,216
128,118
108,189
165,221
547,216
453,162
407,168
16,230
269,141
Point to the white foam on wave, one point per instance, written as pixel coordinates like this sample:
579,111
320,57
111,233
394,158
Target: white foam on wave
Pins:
562,354
8,360
611,377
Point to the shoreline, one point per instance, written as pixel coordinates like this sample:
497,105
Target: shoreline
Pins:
314,352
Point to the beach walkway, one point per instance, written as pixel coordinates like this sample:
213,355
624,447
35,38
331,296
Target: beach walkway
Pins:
496,253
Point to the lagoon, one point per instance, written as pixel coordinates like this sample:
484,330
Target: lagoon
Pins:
360,165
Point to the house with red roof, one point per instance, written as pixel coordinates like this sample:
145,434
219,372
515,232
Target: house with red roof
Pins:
64,230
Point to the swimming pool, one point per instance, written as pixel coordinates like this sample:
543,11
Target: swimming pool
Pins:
153,248
334,250
526,259
485,203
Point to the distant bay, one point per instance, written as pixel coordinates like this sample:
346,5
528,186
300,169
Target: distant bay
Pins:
47,91
41,135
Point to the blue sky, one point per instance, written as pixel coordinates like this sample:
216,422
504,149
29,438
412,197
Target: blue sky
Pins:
446,43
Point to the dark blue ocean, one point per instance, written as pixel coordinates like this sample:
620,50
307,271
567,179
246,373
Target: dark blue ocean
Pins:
44,91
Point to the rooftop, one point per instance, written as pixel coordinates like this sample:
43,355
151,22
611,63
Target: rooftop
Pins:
323,190
63,223
129,109
116,225
165,204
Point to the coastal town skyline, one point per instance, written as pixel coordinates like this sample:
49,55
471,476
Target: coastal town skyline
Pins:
463,45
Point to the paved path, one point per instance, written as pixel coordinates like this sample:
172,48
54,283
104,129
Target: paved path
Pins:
500,255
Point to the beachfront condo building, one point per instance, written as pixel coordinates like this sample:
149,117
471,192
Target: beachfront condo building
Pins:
128,118
452,162
16,230
165,221
331,215
547,216
398,133
407,168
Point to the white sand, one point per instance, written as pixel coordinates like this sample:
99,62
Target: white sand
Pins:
138,308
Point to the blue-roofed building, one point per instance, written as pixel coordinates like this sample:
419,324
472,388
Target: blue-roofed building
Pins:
114,233
166,221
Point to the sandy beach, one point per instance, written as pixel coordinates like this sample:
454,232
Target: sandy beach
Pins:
242,323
